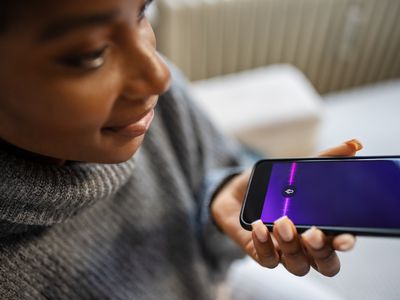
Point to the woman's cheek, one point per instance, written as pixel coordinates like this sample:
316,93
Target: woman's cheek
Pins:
87,104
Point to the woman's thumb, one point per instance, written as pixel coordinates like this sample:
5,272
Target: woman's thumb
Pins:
348,148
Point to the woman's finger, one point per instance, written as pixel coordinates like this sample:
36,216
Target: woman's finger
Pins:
348,148
266,254
293,256
344,242
320,249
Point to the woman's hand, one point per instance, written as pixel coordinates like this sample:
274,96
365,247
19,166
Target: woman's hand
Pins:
296,252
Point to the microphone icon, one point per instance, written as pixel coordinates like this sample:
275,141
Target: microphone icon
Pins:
289,191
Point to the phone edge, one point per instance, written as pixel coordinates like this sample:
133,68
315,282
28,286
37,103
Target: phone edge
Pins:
328,230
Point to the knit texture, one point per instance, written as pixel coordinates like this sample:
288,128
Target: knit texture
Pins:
134,230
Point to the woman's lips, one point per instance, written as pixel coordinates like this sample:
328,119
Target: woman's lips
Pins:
135,129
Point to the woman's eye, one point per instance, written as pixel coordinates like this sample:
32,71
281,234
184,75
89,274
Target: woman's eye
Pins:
87,61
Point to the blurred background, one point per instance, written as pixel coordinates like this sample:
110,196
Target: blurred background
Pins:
290,78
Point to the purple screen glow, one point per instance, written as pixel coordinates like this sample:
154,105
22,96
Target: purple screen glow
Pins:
363,193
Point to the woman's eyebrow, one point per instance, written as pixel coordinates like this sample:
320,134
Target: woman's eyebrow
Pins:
59,28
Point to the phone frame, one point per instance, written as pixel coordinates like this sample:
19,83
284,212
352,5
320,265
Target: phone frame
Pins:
255,184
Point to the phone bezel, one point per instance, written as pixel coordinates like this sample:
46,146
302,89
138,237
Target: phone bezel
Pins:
257,188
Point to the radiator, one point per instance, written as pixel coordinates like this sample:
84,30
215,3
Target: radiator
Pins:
336,43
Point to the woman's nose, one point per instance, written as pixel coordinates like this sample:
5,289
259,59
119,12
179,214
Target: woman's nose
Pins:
146,72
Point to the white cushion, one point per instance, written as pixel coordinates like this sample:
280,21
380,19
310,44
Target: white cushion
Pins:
274,110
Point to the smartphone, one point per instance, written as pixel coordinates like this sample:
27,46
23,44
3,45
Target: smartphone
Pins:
358,195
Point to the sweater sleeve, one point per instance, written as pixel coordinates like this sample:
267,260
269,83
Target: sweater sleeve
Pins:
222,160
214,159
218,249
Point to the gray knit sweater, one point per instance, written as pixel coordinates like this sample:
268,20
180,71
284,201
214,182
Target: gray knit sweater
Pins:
135,230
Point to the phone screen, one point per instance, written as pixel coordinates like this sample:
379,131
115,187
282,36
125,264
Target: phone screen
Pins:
346,193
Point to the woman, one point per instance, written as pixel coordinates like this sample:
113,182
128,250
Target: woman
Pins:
95,203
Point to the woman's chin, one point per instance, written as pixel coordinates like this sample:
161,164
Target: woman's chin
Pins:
108,152
118,153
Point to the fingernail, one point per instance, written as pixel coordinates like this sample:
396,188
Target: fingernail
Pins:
356,143
345,242
260,230
285,229
314,238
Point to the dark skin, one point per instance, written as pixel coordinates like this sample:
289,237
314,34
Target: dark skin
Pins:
73,71
60,90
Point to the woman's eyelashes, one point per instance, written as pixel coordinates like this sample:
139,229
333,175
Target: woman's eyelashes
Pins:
86,61
93,60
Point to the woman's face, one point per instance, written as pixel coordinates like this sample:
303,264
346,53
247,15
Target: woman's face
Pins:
79,79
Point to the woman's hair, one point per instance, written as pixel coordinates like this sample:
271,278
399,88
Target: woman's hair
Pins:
8,9
4,16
